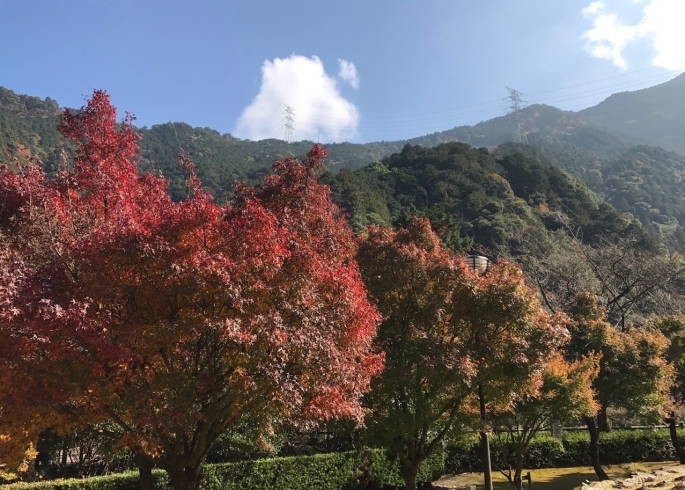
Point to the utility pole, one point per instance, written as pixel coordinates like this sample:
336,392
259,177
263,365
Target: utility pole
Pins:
289,125
480,264
515,102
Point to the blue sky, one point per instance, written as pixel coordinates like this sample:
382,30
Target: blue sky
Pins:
351,70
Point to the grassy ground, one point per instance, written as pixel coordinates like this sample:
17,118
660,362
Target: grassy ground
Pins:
560,478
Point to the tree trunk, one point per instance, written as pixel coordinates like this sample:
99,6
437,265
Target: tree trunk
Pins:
518,484
487,464
43,450
145,466
188,478
484,442
594,448
520,454
555,429
409,475
674,437
65,453
603,420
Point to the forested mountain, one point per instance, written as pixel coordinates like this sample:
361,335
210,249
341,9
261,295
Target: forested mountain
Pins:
539,122
222,159
475,198
642,180
31,123
654,115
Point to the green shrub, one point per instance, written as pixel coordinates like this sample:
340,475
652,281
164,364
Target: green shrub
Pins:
463,455
340,471
120,481
383,470
325,471
622,446
576,449
545,452
615,447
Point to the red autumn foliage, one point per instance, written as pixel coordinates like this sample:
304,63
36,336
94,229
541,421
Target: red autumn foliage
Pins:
178,320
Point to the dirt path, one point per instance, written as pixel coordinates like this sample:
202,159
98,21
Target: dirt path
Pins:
664,476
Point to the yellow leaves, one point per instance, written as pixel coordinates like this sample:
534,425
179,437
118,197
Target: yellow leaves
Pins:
10,473
562,390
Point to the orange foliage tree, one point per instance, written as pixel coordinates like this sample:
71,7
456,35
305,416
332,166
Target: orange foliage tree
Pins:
175,320
561,392
634,372
446,331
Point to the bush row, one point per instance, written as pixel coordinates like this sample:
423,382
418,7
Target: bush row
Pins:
616,447
352,470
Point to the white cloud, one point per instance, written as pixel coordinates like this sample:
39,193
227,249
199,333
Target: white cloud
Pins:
661,23
348,72
664,19
321,113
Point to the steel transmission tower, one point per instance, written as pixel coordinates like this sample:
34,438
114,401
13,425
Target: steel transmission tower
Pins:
289,125
516,102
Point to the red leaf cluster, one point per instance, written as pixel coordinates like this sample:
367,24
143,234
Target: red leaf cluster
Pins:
175,320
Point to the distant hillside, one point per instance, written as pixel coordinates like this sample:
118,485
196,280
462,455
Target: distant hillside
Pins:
31,123
654,115
474,197
222,159
643,180
27,105
539,120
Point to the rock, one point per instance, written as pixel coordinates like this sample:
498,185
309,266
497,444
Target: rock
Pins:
646,477
436,486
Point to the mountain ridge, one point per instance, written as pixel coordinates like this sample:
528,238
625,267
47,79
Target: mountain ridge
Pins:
651,114
641,180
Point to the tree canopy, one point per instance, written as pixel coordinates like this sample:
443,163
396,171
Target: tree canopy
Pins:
448,333
175,319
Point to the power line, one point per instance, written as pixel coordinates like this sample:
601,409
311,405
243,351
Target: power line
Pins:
608,89
381,120
383,127
371,126
593,81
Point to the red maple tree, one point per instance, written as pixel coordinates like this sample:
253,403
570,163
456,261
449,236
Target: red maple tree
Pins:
177,320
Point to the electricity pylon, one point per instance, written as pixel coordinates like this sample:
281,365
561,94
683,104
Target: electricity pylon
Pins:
289,125
515,109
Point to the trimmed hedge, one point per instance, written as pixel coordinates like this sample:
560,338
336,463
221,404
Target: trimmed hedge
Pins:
544,452
120,481
615,447
326,471
340,471
384,471
623,446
